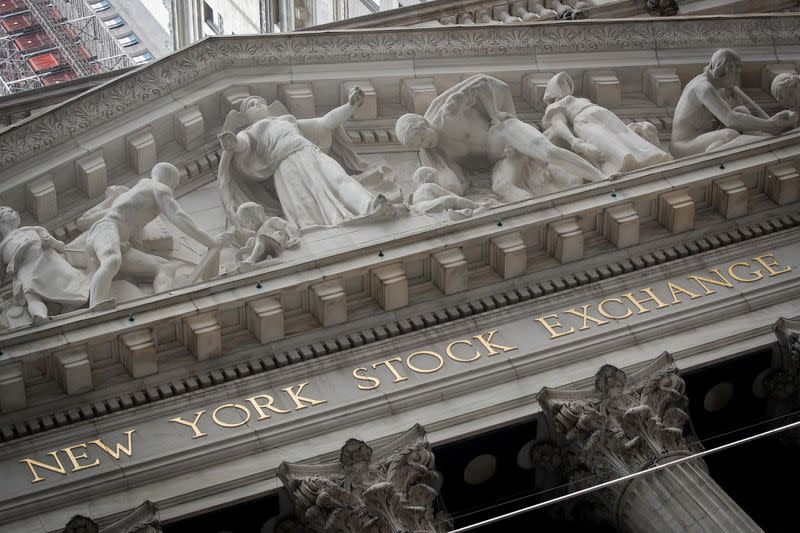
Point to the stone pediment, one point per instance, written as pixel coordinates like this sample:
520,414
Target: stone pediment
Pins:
366,275
452,12
181,76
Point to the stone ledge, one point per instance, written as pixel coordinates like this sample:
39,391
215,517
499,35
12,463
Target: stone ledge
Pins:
99,408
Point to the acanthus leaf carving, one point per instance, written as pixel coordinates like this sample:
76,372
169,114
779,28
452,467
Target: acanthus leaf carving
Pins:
394,489
626,423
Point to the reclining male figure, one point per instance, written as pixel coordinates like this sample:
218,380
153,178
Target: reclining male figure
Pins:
473,125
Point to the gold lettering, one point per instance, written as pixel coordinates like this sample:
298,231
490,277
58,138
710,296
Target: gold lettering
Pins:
120,449
769,266
375,381
298,400
586,316
449,351
490,346
551,327
756,273
651,298
721,282
240,407
601,309
260,407
74,458
675,289
36,477
193,425
423,370
397,376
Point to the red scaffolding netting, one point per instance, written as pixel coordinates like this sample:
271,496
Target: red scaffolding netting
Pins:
45,42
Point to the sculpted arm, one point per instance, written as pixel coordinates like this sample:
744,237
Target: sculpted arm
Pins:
714,102
493,96
449,174
559,127
339,115
170,208
96,213
50,241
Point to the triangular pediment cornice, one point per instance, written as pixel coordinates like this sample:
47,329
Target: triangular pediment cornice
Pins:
132,91
452,12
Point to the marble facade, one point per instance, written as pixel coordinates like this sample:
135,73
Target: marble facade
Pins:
276,330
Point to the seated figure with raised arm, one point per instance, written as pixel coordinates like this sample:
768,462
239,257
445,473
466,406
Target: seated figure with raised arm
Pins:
121,217
313,190
473,125
693,127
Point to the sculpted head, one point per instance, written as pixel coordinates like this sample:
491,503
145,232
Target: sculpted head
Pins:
167,174
725,67
786,90
415,132
81,524
251,215
355,452
251,103
9,219
424,175
559,86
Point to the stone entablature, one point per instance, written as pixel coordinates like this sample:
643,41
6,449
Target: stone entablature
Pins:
247,449
644,208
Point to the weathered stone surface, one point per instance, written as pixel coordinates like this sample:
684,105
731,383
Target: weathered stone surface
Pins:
137,353
265,319
565,240
389,286
625,424
202,335
327,301
676,211
393,488
73,370
449,271
42,198
508,255
621,225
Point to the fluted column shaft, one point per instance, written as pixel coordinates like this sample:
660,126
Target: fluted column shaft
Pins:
680,498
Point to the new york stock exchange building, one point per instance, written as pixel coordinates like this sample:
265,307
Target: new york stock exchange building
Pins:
459,266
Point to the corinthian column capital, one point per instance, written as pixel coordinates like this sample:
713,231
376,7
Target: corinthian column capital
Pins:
388,490
624,422
627,423
143,519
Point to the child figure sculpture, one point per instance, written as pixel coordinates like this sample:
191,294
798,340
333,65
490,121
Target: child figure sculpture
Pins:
267,236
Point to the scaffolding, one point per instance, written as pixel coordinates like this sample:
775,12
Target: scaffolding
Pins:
44,42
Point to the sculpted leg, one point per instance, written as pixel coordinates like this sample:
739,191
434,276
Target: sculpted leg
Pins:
36,308
508,175
146,267
107,250
531,142
705,142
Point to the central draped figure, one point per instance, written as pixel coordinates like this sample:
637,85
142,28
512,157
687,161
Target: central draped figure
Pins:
312,188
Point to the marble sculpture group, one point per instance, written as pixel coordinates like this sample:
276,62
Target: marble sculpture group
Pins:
280,177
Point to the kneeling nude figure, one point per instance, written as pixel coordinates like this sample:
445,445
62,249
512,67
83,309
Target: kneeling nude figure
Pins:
473,125
113,226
